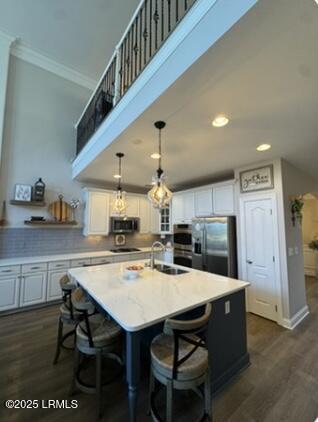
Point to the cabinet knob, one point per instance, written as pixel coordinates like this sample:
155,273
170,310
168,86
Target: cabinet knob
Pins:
249,262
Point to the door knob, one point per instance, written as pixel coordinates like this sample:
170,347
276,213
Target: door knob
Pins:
249,262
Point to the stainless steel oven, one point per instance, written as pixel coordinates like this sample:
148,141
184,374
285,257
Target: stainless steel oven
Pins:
182,236
182,243
182,257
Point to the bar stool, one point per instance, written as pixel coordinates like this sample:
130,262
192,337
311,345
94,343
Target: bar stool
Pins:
96,335
179,360
67,316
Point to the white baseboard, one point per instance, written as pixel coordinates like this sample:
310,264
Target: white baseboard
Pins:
292,323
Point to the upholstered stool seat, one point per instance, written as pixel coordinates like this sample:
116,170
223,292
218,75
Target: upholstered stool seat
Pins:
68,316
104,332
162,348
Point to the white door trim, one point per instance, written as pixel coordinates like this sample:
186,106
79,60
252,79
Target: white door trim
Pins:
278,286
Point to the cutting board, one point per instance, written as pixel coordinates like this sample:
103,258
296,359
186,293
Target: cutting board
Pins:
60,210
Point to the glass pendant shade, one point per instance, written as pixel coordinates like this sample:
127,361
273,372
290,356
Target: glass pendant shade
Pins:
160,195
119,205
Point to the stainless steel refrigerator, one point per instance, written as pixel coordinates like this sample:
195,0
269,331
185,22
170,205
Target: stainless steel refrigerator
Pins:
214,245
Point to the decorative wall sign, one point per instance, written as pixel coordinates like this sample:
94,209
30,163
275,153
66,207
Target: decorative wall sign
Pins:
257,179
23,192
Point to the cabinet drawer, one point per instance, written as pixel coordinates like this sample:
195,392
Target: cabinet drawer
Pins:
122,258
102,260
9,270
58,265
80,262
33,268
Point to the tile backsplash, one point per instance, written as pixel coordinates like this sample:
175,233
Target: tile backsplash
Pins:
18,242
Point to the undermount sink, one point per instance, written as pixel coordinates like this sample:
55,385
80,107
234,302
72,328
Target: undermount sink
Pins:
166,269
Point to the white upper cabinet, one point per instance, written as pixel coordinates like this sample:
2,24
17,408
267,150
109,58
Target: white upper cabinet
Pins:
203,203
177,208
154,220
223,200
132,205
144,215
188,207
96,217
183,208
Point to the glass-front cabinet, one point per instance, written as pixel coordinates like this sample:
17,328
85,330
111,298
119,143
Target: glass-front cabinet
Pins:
165,221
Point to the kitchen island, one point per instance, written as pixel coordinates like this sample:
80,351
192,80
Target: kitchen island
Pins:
140,304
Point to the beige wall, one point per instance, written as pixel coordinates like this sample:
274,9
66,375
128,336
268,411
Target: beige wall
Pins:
310,220
39,138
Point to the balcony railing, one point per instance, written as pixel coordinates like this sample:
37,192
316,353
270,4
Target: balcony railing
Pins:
150,26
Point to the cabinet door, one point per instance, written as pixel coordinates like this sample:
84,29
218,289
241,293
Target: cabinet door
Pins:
132,206
33,289
54,291
223,200
144,215
154,220
9,292
188,207
177,209
96,213
203,203
165,221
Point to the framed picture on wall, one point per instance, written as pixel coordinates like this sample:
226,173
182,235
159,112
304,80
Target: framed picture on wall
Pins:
23,192
257,179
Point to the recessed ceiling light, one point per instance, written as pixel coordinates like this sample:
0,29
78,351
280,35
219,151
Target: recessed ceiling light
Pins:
264,147
220,121
155,156
117,176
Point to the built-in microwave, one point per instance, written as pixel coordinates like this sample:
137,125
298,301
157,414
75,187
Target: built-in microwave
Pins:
124,224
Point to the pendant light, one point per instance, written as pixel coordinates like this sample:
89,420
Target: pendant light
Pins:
160,196
119,204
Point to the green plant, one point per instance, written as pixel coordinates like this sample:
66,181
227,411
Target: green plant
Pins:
296,210
314,245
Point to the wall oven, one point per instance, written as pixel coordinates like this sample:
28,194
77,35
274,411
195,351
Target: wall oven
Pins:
182,243
124,225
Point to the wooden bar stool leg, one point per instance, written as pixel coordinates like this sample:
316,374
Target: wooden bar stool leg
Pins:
58,341
99,383
152,382
77,357
207,396
169,402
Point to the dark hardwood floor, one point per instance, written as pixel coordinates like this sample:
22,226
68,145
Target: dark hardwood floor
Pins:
280,385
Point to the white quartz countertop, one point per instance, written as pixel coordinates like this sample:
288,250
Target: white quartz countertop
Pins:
152,297
65,257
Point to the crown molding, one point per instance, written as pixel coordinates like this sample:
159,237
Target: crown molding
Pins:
28,55
8,39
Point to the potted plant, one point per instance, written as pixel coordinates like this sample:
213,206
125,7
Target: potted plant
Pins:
314,246
297,204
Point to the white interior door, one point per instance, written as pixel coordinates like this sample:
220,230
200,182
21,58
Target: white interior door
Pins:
260,257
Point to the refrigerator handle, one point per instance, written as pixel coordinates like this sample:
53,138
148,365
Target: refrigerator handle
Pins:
204,251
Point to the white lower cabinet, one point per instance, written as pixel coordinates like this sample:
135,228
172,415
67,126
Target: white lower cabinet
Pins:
33,288
53,285
9,292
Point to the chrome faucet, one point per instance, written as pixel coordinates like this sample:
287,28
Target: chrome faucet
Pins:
152,257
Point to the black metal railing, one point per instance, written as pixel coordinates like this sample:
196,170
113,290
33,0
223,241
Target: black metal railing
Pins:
151,25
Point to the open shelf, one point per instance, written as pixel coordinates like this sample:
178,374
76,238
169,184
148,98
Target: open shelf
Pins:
50,223
28,203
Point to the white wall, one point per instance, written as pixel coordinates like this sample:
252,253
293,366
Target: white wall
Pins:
39,137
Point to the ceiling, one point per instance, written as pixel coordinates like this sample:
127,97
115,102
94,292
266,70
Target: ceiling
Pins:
80,34
262,74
